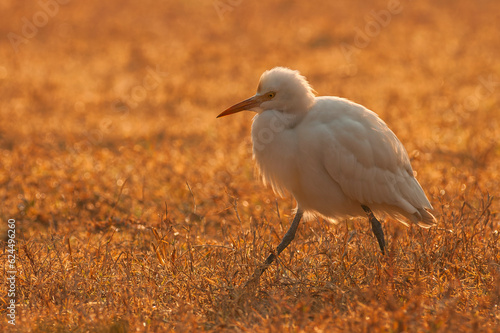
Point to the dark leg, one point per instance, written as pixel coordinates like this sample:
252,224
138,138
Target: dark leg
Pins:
376,227
287,239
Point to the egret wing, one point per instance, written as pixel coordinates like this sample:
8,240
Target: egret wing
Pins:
369,162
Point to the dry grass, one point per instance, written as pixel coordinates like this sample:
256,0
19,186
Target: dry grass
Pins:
137,210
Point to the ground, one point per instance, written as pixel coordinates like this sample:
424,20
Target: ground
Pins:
137,210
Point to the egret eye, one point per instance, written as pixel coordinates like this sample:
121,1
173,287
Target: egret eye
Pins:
271,94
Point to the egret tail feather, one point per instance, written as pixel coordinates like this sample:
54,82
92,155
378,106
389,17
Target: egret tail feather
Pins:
426,219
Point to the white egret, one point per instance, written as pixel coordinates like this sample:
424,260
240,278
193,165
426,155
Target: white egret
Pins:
337,158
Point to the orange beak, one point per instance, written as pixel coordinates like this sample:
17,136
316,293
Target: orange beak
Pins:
247,104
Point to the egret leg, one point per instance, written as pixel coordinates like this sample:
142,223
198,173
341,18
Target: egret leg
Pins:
376,227
287,239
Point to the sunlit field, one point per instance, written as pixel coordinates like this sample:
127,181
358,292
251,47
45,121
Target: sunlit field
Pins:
136,210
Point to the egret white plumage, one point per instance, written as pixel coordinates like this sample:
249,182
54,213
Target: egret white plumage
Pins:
337,158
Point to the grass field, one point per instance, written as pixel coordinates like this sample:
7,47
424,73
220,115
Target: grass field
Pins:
137,211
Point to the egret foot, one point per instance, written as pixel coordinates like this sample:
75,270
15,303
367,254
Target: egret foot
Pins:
376,227
287,239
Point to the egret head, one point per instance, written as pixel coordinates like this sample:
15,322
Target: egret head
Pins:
280,89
